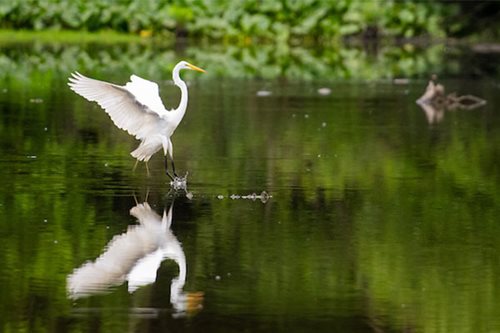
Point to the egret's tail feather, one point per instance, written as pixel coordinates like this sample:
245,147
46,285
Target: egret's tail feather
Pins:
145,151
141,154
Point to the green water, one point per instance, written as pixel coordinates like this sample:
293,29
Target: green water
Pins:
381,218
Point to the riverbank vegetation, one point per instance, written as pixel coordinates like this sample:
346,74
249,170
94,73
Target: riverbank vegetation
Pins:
252,20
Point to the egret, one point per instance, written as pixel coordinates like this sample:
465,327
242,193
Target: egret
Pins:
137,108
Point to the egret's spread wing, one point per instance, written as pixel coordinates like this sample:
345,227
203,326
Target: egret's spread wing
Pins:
135,107
147,93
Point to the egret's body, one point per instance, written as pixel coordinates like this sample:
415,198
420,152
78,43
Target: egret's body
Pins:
138,109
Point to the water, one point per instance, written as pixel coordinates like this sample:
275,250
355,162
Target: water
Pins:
380,217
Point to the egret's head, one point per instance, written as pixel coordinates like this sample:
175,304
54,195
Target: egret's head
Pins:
187,65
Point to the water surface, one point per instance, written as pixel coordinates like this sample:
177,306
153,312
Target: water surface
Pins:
382,217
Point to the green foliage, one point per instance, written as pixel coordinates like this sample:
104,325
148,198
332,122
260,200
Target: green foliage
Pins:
265,61
273,20
66,36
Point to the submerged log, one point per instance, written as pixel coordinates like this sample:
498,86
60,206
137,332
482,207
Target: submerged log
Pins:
436,97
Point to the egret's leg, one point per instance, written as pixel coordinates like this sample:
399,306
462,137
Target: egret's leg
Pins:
147,169
173,168
171,153
166,168
167,145
135,165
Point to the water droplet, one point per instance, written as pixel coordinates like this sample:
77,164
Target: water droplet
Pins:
323,124
217,277
189,195
220,197
306,116
45,221
264,196
55,241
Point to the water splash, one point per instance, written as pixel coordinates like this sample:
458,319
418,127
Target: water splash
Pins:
179,183
263,196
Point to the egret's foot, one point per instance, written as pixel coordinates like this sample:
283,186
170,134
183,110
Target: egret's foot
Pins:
179,183
172,178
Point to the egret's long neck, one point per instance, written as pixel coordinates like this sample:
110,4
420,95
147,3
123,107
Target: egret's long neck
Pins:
178,283
181,109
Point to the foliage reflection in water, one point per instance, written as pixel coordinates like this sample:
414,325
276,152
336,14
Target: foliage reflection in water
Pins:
379,221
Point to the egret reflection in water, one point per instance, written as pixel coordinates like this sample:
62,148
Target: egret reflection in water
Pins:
135,257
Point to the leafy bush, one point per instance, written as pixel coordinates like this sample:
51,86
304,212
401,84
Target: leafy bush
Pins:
272,20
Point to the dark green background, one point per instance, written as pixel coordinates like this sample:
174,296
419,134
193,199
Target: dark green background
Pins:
378,219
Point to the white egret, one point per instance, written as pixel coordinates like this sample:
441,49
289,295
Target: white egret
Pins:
138,109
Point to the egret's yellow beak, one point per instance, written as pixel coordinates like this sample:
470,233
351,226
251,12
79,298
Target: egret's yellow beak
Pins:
194,68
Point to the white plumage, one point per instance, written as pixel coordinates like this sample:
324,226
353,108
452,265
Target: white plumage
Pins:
137,108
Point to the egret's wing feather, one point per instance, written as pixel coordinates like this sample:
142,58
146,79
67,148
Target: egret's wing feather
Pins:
128,112
147,93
